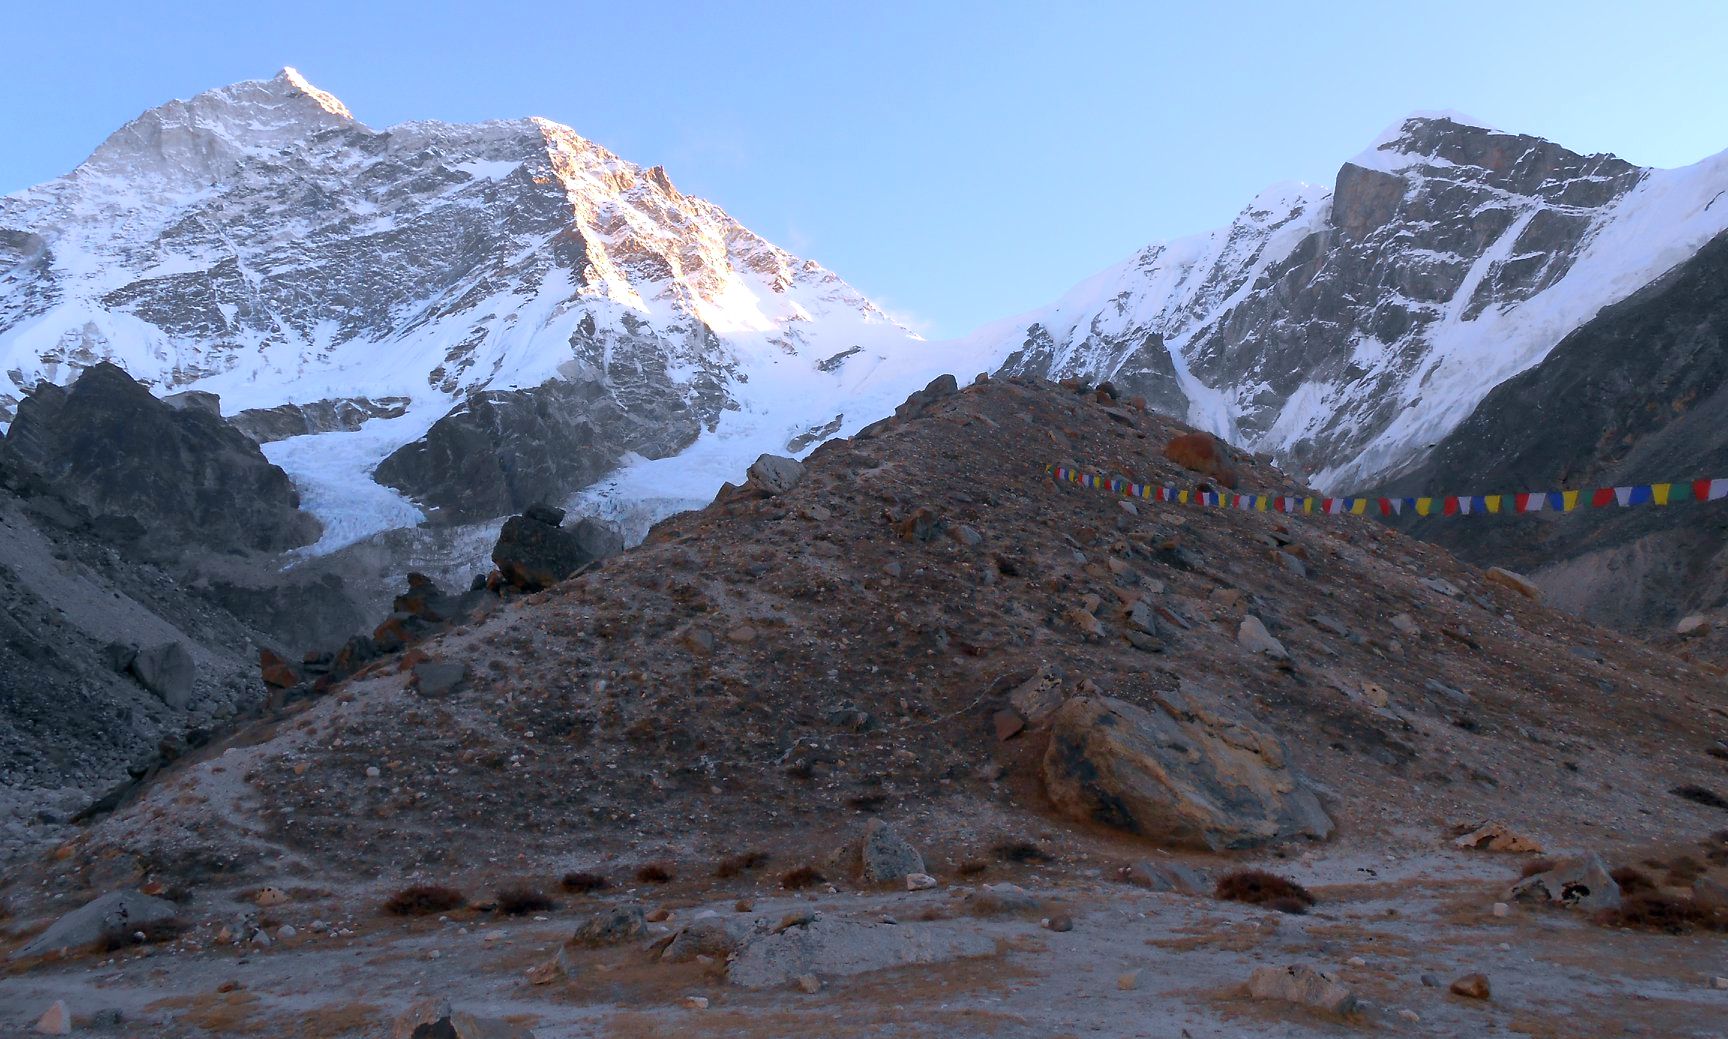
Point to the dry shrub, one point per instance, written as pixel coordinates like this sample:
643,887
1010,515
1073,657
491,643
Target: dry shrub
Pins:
1024,852
581,883
801,877
1701,795
424,900
1258,887
972,867
521,900
733,865
1653,911
128,935
655,873
1632,880
1535,866
1684,869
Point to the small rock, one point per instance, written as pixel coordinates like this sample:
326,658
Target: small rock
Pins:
1517,582
1008,724
1430,981
1356,961
612,927
1693,627
1303,984
558,967
1061,924
1129,981
1405,624
1720,983
967,536
810,983
1127,506
1502,909
372,772
1253,637
56,1020
660,915
1410,1015
270,896
1295,566
1471,986
694,1002
1375,695
261,939
919,881
286,931
1496,836
1164,876
1442,586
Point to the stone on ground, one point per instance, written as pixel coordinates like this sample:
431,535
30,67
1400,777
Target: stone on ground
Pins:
1182,773
1581,883
56,1020
1497,836
166,670
1517,582
836,948
116,911
1471,986
1303,984
774,474
1252,636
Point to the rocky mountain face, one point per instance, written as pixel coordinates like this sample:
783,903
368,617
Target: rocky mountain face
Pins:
171,476
259,243
1347,331
1637,395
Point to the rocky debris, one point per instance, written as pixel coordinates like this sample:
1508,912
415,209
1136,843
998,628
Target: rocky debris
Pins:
1185,772
1582,883
266,425
434,1018
1252,636
500,451
611,927
276,672
1695,626
1165,876
1497,836
166,670
826,947
182,475
715,936
534,552
558,968
1517,582
878,856
1302,984
1471,986
117,911
774,474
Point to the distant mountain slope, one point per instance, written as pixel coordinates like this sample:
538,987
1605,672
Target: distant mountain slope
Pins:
260,243
1345,332
1638,395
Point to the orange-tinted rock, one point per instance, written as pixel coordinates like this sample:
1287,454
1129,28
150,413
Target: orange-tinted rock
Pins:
277,672
1201,453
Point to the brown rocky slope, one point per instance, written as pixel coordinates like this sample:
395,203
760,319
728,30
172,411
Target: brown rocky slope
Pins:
778,665
1028,681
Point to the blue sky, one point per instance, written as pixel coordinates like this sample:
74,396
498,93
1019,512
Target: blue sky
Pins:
959,162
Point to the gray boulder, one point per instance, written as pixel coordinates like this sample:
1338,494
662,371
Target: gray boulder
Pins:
1183,773
116,911
166,670
878,856
1304,985
774,474
830,948
611,927
715,936
1581,883
533,552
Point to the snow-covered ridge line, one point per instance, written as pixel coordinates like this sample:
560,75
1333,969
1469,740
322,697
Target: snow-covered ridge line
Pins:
1346,330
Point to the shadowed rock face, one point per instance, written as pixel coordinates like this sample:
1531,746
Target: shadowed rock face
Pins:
185,475
1638,395
321,416
502,451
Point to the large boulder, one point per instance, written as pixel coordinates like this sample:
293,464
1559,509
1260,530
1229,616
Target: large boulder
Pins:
1183,773
181,473
877,856
533,552
117,911
166,670
837,948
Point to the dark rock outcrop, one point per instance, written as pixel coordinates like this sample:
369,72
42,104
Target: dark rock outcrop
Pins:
501,451
534,552
182,473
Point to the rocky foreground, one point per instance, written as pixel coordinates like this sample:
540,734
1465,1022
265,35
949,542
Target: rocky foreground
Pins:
911,738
